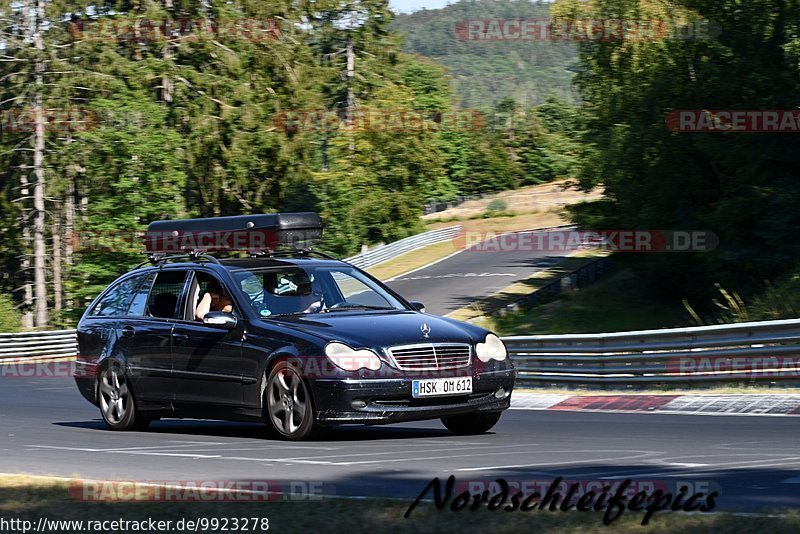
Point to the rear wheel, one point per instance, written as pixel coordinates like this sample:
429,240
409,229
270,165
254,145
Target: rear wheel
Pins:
288,406
471,424
116,400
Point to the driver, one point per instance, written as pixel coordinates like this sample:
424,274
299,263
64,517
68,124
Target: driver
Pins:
214,299
292,292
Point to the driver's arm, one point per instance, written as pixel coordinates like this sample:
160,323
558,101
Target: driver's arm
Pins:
203,307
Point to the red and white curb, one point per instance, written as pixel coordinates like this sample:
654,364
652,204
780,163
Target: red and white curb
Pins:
711,404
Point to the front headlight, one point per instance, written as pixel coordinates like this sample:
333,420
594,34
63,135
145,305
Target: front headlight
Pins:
491,349
349,359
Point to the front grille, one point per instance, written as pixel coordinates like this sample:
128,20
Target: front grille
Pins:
431,357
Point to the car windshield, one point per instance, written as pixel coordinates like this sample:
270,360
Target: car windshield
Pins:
295,290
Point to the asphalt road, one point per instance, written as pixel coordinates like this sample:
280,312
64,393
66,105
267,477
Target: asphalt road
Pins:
48,429
471,274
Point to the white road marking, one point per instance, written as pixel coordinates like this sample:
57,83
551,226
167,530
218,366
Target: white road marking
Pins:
458,275
366,454
431,264
320,460
190,444
170,454
643,454
239,449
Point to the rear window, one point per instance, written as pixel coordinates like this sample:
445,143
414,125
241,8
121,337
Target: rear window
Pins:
138,307
166,292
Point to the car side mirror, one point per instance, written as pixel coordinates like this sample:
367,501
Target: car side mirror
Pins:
420,307
221,320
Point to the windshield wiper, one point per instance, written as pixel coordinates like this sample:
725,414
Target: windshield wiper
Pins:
347,307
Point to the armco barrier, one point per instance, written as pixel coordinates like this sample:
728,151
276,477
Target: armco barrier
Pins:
744,352
37,344
384,253
732,353
577,279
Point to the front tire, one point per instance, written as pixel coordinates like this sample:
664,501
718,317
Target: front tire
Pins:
471,424
288,406
117,402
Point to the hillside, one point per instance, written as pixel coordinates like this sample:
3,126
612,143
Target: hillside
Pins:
484,72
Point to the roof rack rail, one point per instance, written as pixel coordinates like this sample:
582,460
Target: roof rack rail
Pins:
158,260
292,252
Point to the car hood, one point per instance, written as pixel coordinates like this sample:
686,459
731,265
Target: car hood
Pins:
377,330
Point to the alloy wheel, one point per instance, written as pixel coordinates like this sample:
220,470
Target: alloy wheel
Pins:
114,396
287,400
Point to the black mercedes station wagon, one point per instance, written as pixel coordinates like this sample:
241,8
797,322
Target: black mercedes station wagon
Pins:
298,340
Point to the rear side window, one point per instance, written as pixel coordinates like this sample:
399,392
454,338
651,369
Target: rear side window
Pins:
117,301
166,292
139,305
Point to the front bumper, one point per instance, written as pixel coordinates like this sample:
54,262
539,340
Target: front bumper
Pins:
389,400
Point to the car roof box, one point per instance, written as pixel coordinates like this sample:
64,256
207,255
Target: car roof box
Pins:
251,233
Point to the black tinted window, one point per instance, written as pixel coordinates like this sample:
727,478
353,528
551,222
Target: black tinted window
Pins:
166,293
117,300
139,305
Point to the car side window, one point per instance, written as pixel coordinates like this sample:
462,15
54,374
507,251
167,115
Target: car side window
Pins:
165,294
139,305
207,284
116,302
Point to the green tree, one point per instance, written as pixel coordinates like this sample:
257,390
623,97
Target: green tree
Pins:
10,319
741,186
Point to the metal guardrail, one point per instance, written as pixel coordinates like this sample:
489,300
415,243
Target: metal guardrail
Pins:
384,253
33,344
731,353
577,279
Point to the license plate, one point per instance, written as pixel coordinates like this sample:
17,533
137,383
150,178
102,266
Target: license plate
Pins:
437,387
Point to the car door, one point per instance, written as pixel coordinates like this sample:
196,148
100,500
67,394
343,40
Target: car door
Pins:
146,335
207,362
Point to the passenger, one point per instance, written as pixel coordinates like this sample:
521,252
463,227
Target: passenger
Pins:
214,299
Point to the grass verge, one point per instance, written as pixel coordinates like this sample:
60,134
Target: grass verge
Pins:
616,303
412,260
506,223
29,499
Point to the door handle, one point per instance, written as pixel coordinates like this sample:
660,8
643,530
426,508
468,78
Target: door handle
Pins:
180,339
128,331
